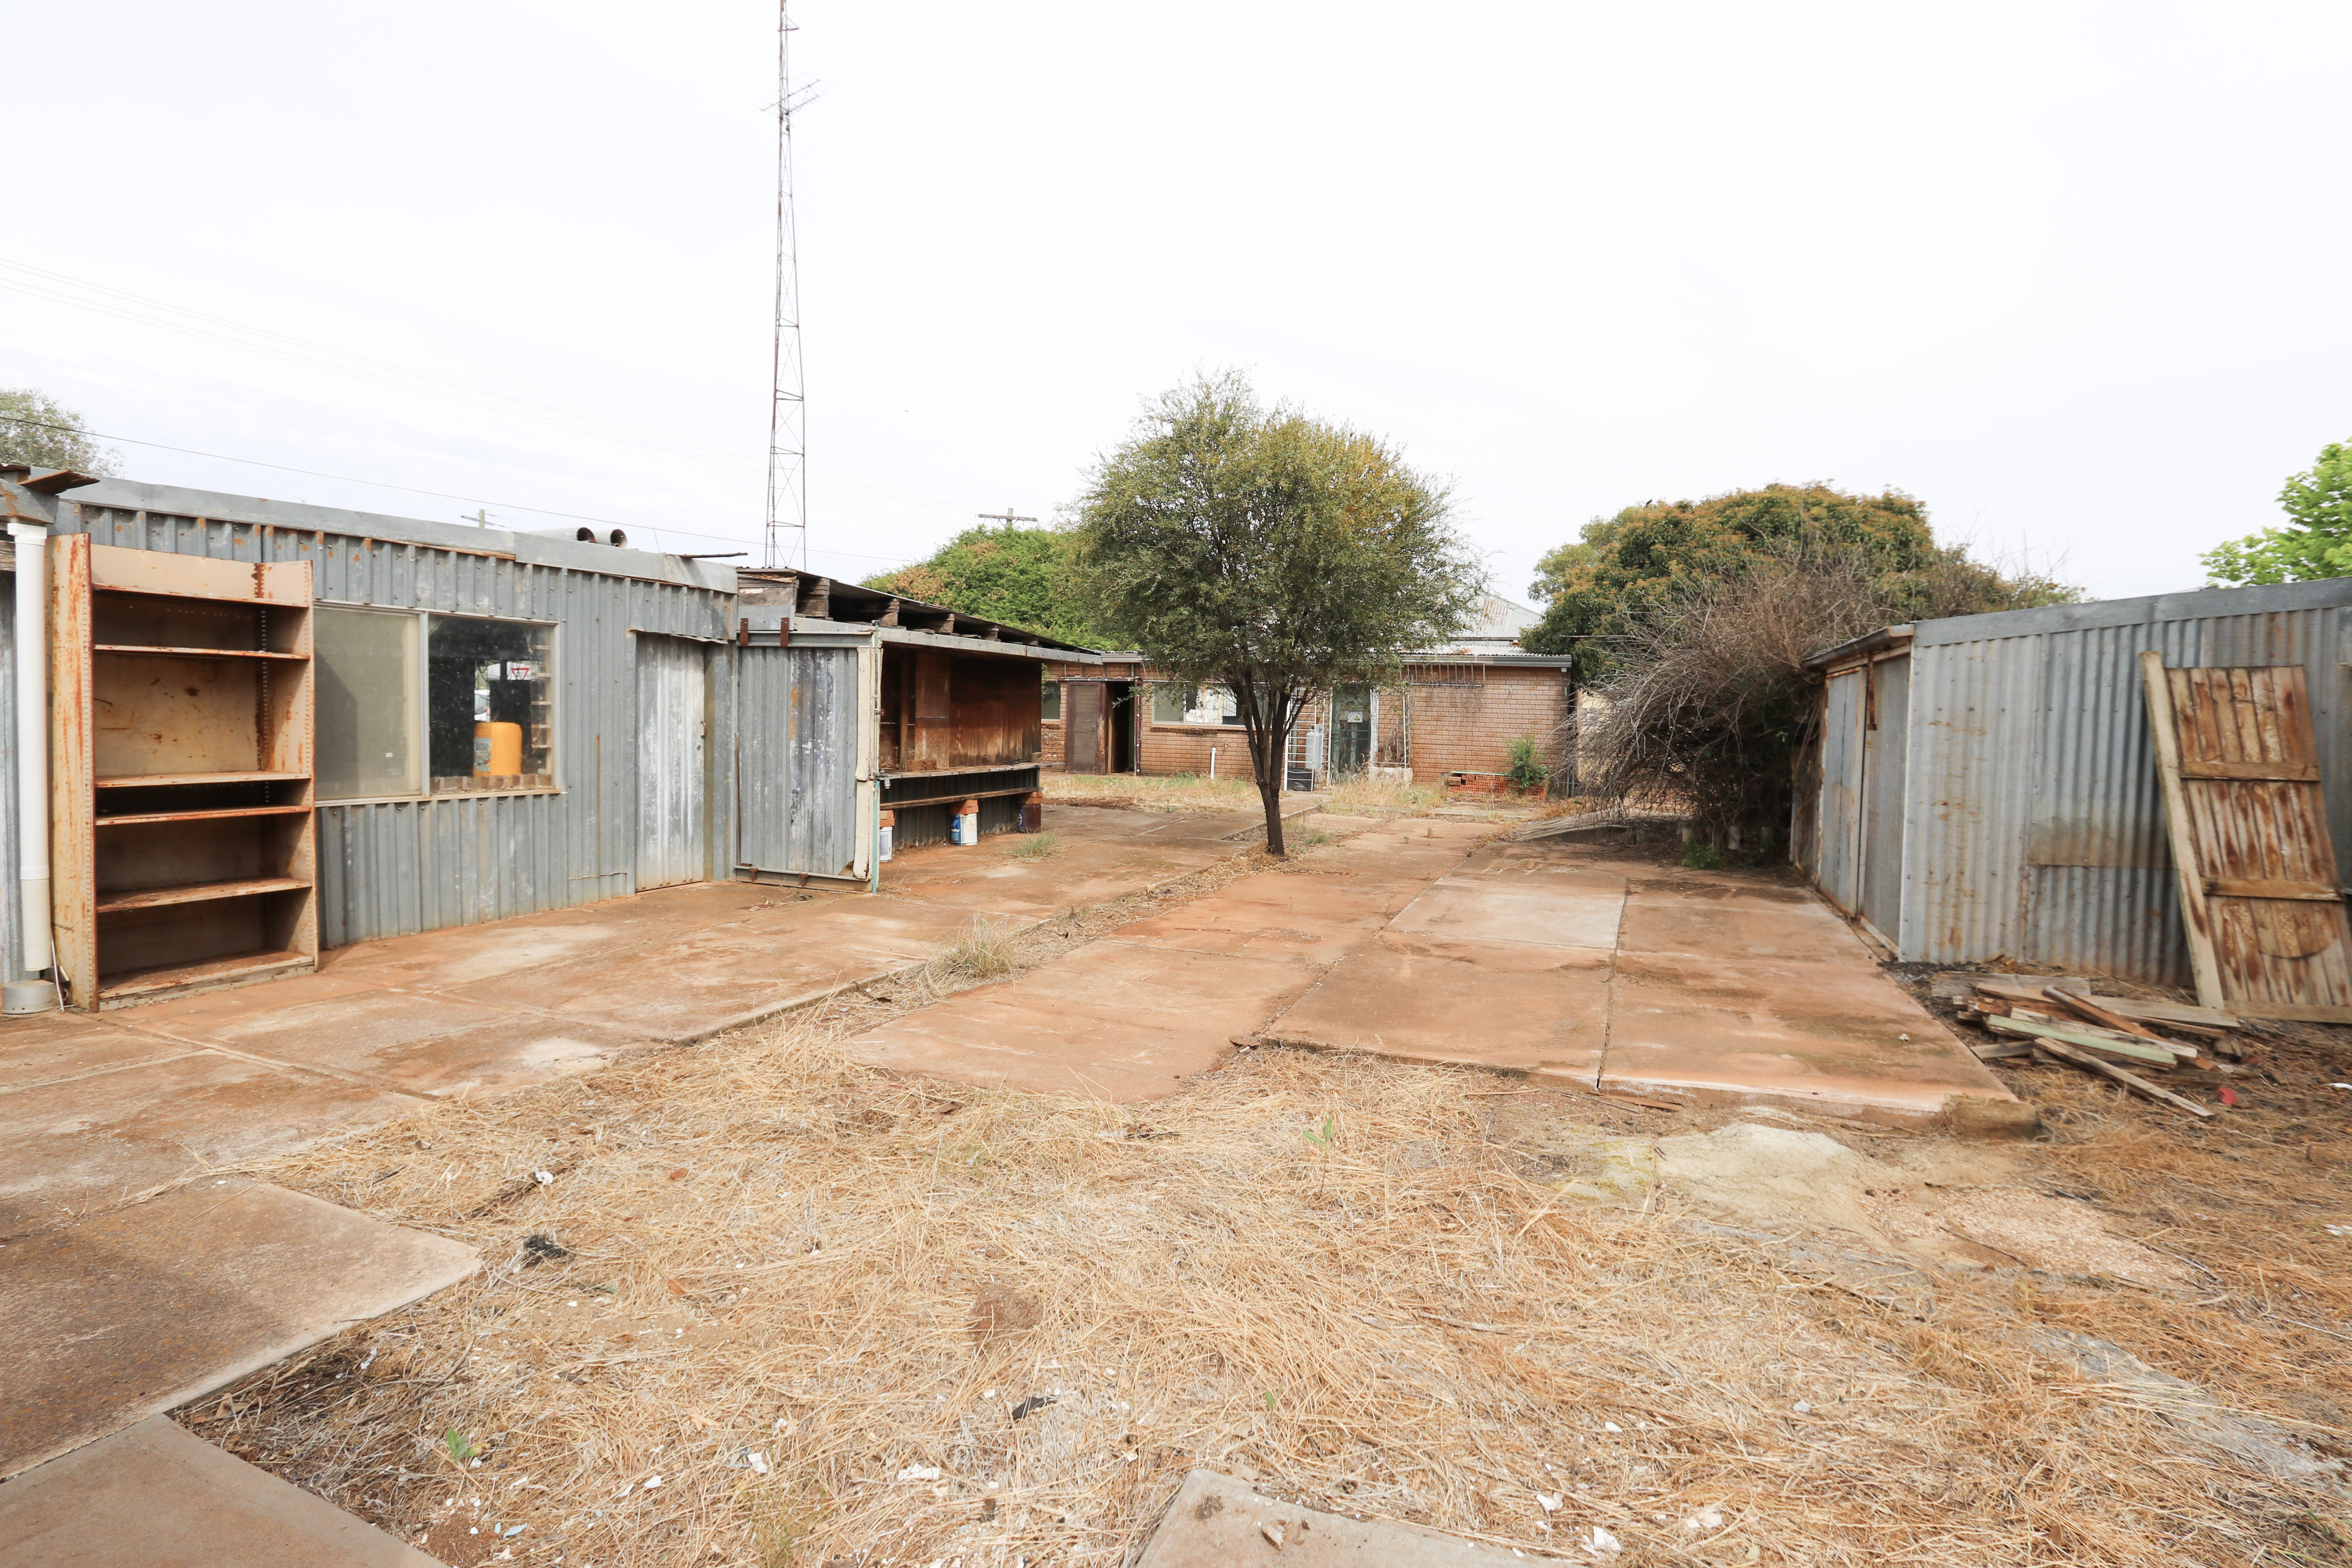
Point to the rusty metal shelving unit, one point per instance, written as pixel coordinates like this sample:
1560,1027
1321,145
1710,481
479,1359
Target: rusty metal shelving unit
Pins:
182,800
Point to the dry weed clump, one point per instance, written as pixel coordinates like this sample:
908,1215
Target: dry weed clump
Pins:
1361,795
985,951
1035,847
784,1309
1181,792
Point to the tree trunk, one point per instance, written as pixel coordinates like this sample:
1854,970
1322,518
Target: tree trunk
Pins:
1265,722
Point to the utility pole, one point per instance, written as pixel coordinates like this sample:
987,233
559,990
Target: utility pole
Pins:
787,407
1007,516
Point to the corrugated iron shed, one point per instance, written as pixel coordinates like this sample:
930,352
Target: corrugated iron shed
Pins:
2030,824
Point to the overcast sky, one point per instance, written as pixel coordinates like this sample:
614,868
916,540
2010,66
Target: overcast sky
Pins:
2074,275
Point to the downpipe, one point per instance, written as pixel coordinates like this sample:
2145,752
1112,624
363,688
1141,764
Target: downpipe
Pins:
32,741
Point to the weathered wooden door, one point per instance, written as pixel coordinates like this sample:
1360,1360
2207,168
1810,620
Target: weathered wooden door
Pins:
2259,897
672,803
1082,726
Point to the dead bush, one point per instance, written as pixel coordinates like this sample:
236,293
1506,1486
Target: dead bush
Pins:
1710,701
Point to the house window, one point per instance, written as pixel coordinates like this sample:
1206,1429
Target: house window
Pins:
1049,699
489,696
366,704
1193,704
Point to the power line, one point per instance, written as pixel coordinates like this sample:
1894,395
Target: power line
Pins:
1007,516
382,373
409,489
398,377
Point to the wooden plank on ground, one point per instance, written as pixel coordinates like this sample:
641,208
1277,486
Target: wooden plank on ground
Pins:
2238,761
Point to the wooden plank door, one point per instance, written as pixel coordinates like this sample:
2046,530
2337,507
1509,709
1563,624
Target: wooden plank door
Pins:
2260,894
1082,726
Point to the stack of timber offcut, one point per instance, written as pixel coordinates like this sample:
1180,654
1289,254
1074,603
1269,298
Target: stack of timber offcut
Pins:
2153,1048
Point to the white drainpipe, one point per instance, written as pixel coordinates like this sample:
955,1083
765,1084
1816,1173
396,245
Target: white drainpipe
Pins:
33,737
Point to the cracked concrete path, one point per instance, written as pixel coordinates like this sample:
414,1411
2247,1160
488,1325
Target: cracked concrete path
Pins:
1428,941
98,1110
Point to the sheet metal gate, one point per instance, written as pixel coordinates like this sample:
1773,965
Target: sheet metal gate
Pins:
1988,785
809,746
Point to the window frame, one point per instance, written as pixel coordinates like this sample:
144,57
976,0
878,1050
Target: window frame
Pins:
422,698
1225,725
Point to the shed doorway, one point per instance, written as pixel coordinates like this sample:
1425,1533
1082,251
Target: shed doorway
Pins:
1122,751
673,725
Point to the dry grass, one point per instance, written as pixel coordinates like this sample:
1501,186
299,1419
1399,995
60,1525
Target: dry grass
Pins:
1035,847
1181,792
790,1281
1365,796
985,951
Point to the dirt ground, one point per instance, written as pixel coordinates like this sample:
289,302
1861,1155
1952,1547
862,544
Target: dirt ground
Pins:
751,1304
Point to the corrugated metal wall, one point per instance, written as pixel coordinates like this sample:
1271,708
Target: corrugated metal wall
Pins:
2033,827
1838,828
386,869
797,760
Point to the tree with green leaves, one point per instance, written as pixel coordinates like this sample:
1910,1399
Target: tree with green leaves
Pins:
1268,552
2317,541
37,430
1597,588
1019,576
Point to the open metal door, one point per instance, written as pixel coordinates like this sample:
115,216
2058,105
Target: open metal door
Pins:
673,796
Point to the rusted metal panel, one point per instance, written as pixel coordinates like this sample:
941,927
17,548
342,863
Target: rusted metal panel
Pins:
1082,724
2255,866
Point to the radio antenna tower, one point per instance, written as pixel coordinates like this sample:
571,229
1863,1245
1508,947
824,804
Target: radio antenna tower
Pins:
788,406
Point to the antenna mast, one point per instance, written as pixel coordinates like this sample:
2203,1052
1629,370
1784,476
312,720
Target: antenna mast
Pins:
788,408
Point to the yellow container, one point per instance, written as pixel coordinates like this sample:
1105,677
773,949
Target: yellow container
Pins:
498,749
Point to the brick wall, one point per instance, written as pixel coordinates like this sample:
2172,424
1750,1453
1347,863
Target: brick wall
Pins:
1470,726
1452,725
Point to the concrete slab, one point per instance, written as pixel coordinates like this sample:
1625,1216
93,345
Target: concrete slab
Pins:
1314,918
1115,1019
134,1313
1514,1006
51,1048
72,1146
725,976
1577,914
1216,1522
1813,1035
155,1496
1710,921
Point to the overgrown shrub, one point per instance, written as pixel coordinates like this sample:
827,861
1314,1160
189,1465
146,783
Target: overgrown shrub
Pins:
1526,769
1709,699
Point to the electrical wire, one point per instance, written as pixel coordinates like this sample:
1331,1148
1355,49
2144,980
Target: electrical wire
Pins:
384,373
413,490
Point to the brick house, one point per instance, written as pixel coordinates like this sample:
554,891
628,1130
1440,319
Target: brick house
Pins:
1455,710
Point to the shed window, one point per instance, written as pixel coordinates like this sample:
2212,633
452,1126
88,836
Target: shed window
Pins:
1193,704
367,694
489,696
1049,697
